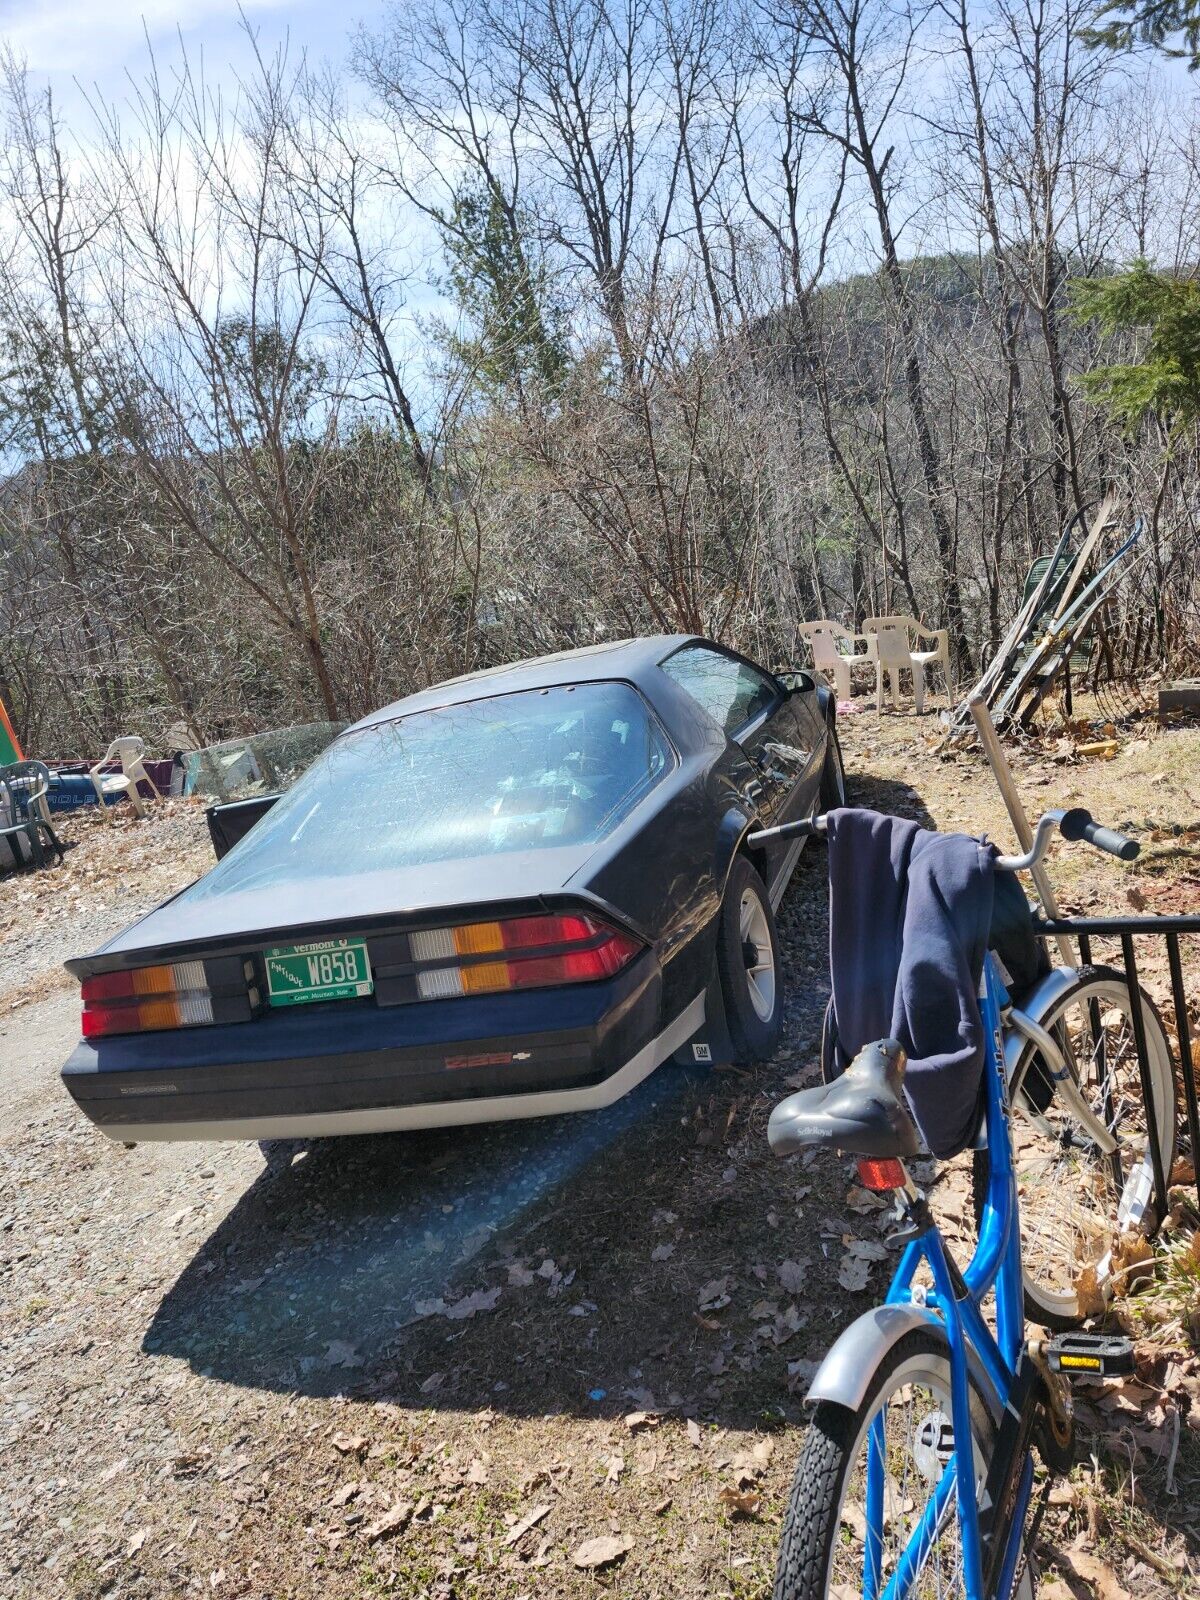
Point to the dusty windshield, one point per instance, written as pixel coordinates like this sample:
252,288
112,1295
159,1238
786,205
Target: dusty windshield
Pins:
527,771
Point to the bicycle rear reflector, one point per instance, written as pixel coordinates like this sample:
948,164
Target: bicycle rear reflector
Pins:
880,1175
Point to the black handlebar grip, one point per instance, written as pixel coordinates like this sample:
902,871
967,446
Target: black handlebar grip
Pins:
1078,824
786,830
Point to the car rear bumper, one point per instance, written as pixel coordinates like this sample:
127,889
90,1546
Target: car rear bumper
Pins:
315,1071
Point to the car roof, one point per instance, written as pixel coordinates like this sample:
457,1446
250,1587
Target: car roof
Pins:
630,659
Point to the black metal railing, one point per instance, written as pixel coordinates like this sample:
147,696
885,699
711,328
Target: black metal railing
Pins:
1129,930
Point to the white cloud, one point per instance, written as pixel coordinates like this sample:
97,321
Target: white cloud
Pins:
85,37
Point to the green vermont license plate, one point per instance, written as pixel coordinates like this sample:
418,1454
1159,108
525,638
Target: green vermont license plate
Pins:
339,969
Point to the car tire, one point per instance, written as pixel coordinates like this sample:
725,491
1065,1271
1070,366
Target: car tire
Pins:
833,774
748,965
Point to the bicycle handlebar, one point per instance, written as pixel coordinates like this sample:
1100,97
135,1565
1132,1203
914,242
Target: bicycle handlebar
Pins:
1075,824
804,829
1078,824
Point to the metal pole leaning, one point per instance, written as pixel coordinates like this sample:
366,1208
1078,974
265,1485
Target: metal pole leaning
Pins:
1186,1070
1002,772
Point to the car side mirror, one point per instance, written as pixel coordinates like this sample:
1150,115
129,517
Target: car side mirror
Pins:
796,680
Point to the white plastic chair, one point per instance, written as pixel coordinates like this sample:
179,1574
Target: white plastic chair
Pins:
824,640
129,751
890,646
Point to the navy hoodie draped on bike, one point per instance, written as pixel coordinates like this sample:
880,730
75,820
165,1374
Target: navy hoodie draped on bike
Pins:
909,914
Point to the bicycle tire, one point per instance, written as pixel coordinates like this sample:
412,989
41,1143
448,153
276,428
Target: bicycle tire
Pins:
812,1545
1052,1264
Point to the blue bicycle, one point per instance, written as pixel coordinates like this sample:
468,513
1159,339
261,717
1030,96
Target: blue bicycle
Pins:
917,1474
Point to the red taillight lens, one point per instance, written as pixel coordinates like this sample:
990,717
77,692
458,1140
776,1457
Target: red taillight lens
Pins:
146,999
880,1175
525,953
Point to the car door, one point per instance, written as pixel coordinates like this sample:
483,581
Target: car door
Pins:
751,705
799,734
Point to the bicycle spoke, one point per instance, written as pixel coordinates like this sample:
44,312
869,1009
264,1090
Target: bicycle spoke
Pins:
917,1526
1069,1189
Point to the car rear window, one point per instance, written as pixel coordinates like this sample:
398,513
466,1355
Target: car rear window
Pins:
526,771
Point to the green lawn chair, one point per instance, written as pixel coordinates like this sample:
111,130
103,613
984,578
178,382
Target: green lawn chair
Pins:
23,789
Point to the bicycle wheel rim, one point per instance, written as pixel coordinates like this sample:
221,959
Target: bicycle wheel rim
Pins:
916,1394
1073,1204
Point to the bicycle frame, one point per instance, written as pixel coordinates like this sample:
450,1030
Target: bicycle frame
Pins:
957,1297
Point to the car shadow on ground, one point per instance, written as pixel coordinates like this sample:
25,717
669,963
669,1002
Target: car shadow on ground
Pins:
887,795
647,1256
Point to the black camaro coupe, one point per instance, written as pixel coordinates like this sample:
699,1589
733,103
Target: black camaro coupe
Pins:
511,895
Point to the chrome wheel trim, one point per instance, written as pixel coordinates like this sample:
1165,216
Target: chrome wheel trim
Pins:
754,929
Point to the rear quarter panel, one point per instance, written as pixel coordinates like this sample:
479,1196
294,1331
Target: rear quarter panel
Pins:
666,867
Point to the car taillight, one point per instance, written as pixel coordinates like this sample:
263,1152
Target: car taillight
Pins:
520,953
146,999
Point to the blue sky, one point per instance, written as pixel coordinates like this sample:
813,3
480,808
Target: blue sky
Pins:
98,41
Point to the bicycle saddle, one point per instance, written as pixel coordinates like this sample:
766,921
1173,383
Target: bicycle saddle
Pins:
862,1113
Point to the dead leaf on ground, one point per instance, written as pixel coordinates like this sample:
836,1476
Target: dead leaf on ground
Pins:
863,1200
472,1304
641,1419
714,1295
853,1273
865,1249
750,1466
790,1321
349,1444
602,1552
792,1275
1092,1302
136,1543
520,1529
853,1518
340,1354
800,1374
394,1520
662,1252
740,1502
693,1432
1092,1570
1132,1262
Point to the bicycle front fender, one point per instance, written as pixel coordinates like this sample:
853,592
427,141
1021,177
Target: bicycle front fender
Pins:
844,1376
1038,1003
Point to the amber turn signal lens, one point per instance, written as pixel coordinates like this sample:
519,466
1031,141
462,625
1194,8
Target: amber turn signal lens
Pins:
146,1000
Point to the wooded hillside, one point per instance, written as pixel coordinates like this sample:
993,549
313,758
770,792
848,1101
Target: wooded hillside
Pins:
546,320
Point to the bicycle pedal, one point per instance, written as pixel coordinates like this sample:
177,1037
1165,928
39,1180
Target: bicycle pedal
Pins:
1090,1355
